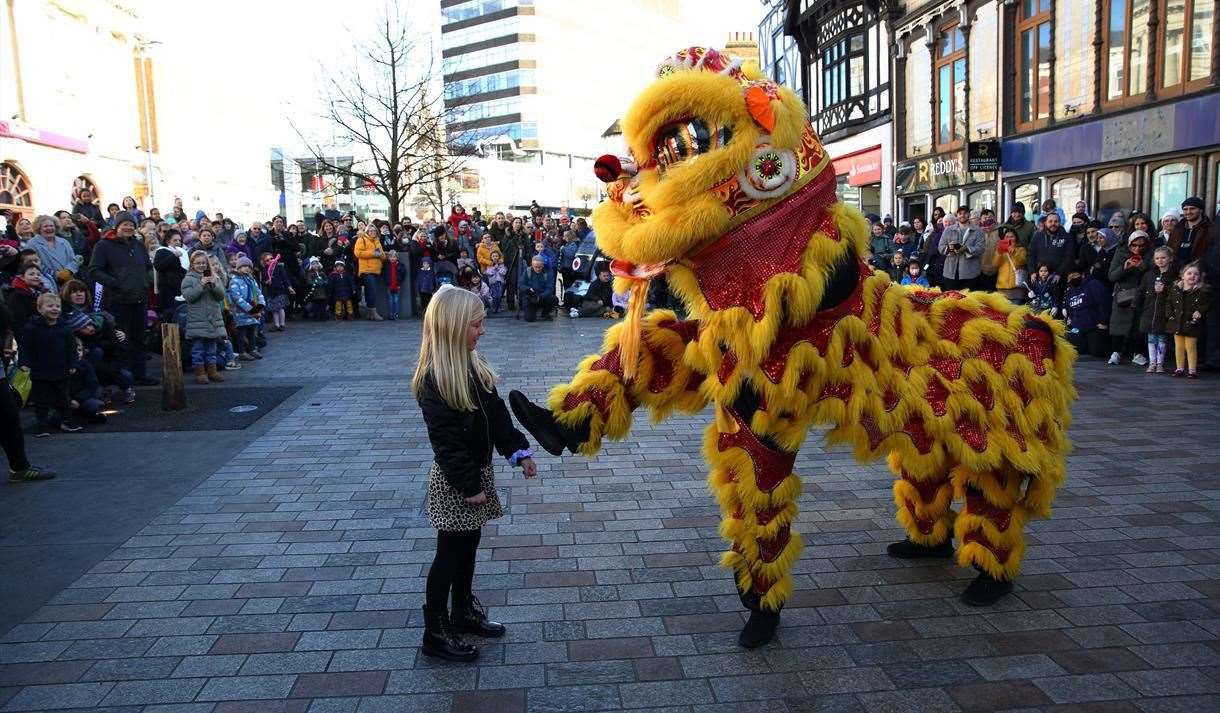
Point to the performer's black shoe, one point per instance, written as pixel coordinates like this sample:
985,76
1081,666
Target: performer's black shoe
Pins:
759,629
553,436
985,590
909,550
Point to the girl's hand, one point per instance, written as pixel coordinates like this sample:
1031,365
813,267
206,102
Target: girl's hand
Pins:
120,335
477,499
1196,316
529,467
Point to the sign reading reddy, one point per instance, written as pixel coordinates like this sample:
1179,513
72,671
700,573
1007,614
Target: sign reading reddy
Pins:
927,174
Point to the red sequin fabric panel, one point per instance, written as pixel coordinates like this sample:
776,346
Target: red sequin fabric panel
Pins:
1001,553
599,398
816,331
771,467
733,270
609,362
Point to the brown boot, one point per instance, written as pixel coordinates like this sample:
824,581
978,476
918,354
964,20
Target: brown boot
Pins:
201,376
214,373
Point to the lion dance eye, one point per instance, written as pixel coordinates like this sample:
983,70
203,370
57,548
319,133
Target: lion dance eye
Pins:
687,138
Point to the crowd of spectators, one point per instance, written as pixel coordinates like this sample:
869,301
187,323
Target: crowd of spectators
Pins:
1126,288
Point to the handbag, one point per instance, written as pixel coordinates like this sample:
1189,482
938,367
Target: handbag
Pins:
18,378
1126,296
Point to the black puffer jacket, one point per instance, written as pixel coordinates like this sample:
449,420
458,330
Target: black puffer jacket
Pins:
122,268
462,441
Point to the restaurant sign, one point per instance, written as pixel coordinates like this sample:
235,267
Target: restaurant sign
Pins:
934,172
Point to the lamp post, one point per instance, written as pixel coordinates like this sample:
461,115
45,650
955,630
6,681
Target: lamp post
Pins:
145,103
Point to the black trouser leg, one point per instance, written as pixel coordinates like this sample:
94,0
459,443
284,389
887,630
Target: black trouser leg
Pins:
463,582
129,319
455,553
11,437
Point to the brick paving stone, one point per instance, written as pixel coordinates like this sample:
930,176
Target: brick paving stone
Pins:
297,569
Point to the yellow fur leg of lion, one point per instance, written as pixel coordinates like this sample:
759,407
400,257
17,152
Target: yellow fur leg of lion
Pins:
990,531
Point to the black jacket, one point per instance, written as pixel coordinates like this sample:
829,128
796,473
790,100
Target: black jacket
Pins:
462,441
48,349
1058,250
169,278
122,267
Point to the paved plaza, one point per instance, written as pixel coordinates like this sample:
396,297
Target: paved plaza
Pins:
282,567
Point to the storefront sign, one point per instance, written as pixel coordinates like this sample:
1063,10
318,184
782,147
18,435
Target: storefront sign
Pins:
983,155
16,130
927,174
862,168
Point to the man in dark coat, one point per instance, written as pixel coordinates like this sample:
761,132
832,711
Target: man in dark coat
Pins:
121,266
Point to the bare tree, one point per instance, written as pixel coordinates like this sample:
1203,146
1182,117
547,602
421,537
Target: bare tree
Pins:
388,105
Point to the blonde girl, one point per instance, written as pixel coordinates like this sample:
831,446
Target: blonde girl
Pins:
1188,301
456,389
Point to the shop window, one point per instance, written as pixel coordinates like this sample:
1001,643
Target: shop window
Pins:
913,208
947,203
918,118
1186,35
1171,184
1065,192
980,199
1125,55
1034,52
15,191
1074,59
950,67
1027,194
1115,192
984,80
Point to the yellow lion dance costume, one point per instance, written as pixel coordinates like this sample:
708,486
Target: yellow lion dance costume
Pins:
734,201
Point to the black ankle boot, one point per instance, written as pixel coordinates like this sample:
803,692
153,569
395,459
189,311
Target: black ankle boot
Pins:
909,550
761,626
469,617
985,590
441,641
553,436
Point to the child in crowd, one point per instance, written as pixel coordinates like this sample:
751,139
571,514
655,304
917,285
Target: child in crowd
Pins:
494,275
341,289
425,282
317,291
205,322
103,342
1153,307
23,297
48,348
278,290
479,287
395,278
1084,303
897,267
1188,301
84,390
915,275
1043,290
483,253
248,304
466,419
464,261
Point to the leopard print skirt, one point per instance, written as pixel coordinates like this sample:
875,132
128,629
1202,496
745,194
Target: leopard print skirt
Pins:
449,511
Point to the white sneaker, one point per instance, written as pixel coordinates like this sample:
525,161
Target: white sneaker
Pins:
573,313
1139,360
1114,358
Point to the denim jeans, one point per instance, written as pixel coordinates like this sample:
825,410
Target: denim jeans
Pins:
393,305
497,295
204,352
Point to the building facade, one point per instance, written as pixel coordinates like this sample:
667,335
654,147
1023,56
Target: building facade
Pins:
1110,102
845,81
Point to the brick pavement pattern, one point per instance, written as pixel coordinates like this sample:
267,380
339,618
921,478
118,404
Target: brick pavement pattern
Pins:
291,579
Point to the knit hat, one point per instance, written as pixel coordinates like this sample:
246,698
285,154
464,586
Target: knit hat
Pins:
123,217
1195,201
78,320
340,263
1137,234
314,261
1172,213
244,261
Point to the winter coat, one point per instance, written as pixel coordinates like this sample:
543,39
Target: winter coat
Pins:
1183,304
215,251
1055,249
341,286
1122,319
921,281
425,281
369,256
244,294
276,283
205,306
882,249
495,274
1044,298
1085,305
56,258
395,276
1190,244
169,273
236,248
600,292
1096,263
1006,266
1153,306
483,255
536,283
123,269
462,441
290,249
49,350
317,287
966,264
22,303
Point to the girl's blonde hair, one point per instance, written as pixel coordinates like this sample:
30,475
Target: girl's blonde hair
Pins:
443,352
1163,250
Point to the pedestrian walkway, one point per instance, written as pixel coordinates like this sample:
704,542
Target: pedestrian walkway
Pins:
291,578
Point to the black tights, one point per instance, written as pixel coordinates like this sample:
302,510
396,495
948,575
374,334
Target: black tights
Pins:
452,568
10,429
